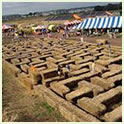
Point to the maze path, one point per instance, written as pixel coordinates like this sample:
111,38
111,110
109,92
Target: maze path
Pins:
96,94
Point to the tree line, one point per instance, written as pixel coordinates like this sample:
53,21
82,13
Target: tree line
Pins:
108,7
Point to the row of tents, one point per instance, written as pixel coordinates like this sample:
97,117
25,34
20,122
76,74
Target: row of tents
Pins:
88,23
67,23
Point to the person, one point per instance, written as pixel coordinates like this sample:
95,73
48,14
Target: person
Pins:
66,73
66,31
44,30
107,31
93,66
113,35
68,67
78,33
82,40
87,33
98,44
16,35
49,34
109,47
59,70
90,32
61,34
102,31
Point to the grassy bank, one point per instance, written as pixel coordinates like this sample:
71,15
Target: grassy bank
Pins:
18,105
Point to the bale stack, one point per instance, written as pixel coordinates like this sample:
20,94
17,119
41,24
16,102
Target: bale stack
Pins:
77,59
35,76
102,41
73,67
51,63
57,53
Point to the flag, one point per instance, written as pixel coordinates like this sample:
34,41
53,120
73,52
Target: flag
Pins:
109,13
76,17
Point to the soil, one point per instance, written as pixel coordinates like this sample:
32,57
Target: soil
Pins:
92,39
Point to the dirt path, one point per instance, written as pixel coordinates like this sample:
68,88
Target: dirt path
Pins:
21,106
115,42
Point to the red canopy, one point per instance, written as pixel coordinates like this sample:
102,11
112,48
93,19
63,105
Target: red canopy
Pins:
4,27
72,22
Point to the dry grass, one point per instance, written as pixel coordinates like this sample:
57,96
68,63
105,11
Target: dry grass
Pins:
18,105
36,20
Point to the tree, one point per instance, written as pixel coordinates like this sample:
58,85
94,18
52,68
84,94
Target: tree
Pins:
30,14
98,8
109,7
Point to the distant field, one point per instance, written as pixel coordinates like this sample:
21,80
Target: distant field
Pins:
37,20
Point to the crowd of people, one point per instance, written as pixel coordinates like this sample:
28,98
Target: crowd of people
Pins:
63,31
98,32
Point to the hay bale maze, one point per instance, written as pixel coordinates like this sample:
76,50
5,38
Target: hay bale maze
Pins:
91,91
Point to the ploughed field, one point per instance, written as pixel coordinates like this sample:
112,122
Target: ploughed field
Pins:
85,93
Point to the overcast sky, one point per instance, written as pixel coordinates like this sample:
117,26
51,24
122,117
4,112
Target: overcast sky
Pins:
26,7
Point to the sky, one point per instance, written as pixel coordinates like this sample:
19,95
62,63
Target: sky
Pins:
9,8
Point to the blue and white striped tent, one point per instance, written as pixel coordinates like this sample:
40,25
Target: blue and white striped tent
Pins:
100,22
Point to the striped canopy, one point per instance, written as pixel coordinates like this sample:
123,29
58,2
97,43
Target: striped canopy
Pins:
100,22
